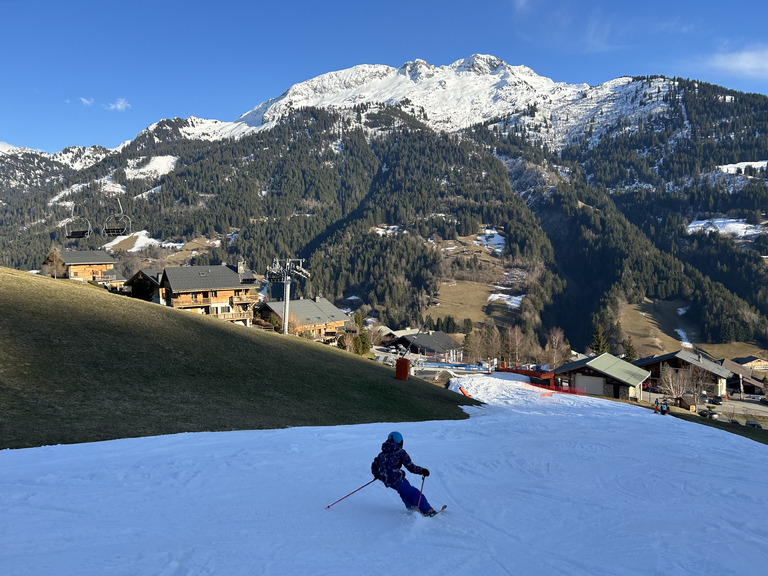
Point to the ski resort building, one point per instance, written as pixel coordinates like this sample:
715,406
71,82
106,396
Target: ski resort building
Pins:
605,375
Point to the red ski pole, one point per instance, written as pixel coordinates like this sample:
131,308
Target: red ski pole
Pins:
421,491
350,494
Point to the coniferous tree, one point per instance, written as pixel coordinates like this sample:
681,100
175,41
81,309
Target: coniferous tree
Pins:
599,344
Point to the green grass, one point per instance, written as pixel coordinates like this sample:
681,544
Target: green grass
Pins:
78,364
652,325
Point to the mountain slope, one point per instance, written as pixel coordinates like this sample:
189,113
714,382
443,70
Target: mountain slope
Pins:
518,473
80,364
591,188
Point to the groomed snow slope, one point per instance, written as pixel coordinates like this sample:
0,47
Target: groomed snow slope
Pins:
534,485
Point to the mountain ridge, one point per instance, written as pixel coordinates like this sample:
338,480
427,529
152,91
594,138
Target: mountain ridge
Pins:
477,89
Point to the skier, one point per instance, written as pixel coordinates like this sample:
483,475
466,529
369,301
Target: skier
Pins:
387,468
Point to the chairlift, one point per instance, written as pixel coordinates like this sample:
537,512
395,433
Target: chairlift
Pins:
79,228
117,224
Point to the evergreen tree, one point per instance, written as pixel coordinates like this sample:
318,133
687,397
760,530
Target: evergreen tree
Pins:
599,344
630,355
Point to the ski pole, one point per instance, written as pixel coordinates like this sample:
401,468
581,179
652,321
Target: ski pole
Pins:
421,491
350,494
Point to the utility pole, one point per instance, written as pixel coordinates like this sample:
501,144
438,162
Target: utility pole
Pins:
278,272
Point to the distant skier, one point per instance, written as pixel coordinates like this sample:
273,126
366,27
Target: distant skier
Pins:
387,468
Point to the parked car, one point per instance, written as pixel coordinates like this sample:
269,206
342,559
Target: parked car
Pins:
734,421
763,400
717,400
654,390
705,413
752,424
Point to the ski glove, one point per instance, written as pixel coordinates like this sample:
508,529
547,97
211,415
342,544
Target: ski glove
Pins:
424,472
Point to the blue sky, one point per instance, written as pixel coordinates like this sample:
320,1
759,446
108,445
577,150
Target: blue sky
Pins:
85,72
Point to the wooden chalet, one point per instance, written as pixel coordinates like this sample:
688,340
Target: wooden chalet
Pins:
85,266
145,284
742,380
224,292
717,374
314,316
753,363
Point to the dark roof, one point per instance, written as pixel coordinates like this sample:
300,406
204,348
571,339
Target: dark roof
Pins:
154,275
310,311
748,360
437,342
736,368
611,366
189,278
690,358
70,257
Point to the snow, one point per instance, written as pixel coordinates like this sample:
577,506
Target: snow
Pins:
534,485
470,91
684,340
492,240
139,241
727,226
739,167
154,168
511,301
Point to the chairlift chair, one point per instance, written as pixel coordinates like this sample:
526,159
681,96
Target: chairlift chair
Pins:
79,228
117,224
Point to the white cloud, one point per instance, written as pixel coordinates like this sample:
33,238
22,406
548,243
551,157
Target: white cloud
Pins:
120,105
521,6
87,101
750,63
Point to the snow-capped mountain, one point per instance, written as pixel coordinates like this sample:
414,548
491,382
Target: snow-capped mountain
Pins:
478,89
474,90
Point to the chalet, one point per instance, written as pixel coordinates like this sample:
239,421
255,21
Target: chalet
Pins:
742,379
716,375
753,363
435,346
604,375
316,317
85,266
145,284
223,292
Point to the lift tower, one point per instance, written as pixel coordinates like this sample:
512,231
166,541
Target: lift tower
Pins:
278,272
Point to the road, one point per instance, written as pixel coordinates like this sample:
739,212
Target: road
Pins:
732,408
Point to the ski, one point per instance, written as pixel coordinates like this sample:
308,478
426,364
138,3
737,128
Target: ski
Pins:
437,511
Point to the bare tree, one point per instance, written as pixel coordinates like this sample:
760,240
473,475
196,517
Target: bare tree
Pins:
556,347
700,378
515,344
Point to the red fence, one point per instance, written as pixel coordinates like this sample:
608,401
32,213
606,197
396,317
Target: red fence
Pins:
562,389
543,377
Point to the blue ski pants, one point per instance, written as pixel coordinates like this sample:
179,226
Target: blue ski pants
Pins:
410,496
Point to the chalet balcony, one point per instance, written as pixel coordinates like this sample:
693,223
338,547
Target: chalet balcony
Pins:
241,300
176,303
234,315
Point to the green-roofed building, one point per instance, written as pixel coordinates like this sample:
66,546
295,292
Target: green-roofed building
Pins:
605,375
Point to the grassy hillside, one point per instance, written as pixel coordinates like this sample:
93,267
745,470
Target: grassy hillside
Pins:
652,325
79,364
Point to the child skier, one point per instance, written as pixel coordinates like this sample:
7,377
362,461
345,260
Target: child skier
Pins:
387,468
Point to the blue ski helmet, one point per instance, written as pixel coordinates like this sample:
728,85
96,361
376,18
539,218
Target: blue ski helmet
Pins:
396,437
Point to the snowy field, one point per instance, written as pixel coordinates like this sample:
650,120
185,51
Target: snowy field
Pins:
534,485
727,226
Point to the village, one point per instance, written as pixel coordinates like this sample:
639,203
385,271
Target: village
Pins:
730,389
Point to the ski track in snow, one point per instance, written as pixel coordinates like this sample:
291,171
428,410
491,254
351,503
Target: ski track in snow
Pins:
534,485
